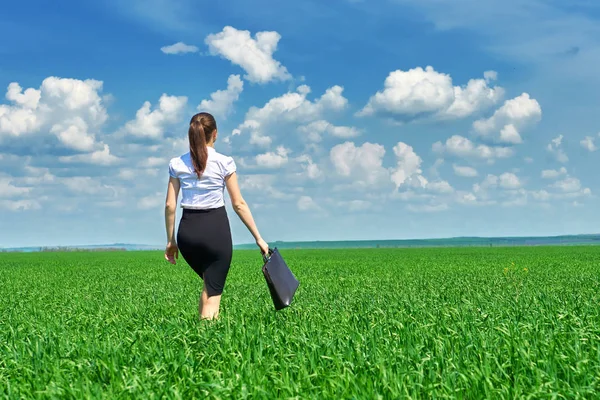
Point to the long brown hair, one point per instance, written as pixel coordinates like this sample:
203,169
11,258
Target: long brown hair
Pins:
202,126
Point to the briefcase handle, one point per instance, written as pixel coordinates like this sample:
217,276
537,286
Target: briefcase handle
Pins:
265,258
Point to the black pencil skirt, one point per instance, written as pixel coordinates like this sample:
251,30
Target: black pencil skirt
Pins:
204,241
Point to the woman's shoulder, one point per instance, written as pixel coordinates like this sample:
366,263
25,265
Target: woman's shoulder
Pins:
180,159
222,157
226,161
180,162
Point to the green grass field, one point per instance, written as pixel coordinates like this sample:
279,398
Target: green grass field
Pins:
388,323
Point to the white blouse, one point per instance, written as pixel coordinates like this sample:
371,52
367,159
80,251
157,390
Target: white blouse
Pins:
206,192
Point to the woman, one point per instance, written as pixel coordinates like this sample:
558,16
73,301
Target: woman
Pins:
204,235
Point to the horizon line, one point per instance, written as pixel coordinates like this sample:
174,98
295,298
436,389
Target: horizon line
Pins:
319,241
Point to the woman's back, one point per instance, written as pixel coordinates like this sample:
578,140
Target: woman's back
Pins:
207,191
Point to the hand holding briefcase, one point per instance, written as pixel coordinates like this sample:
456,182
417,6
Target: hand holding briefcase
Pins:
281,281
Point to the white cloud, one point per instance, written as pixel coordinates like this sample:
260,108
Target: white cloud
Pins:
439,187
464,171
73,134
408,167
553,174
7,189
419,93
127,174
506,181
295,107
255,56
477,198
460,146
311,169
567,185
221,101
364,164
555,147
316,128
37,176
153,201
510,135
291,107
179,48
20,205
306,203
151,124
263,184
433,170
427,208
99,157
509,180
273,159
70,109
490,75
514,115
87,185
29,99
541,195
152,162
589,144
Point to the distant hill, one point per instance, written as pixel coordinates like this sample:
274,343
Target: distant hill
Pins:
589,239
115,246
592,239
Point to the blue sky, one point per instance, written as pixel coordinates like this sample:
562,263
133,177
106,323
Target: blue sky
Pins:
347,119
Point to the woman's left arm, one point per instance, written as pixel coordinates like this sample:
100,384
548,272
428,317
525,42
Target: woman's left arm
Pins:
171,252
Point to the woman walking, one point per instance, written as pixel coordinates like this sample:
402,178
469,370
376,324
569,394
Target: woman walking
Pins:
204,235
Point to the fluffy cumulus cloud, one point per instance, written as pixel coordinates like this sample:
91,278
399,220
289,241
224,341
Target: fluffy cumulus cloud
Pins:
69,113
99,157
508,190
221,101
514,115
9,190
151,123
408,168
553,173
425,93
555,147
460,146
291,107
464,171
364,166
179,48
589,143
254,55
314,130
568,188
567,185
306,203
310,168
272,159
364,163
507,181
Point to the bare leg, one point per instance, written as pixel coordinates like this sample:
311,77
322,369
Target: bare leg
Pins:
208,307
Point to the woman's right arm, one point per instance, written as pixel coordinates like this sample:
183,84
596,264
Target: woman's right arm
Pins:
243,211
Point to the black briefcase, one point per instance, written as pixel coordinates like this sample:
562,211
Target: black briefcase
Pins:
281,281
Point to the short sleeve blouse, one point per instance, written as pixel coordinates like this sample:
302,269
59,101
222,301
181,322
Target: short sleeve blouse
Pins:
206,192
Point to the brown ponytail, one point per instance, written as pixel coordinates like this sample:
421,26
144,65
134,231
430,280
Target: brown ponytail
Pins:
202,126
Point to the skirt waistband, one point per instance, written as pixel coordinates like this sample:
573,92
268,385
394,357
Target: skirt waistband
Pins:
202,210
